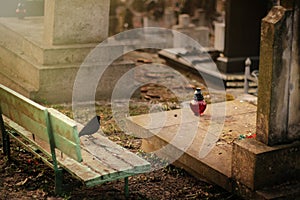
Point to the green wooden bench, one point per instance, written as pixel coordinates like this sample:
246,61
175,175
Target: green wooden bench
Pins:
53,137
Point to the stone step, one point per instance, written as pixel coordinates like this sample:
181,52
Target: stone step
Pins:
160,131
214,168
26,37
54,82
17,83
16,42
17,67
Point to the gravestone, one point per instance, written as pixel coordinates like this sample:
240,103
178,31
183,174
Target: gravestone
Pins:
199,34
242,34
199,17
219,36
268,167
278,119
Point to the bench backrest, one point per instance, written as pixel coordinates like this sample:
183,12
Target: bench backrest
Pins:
65,134
34,118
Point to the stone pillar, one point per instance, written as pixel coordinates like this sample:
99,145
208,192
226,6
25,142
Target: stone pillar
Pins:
261,166
278,114
75,21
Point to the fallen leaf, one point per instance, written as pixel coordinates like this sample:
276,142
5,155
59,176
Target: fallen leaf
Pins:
22,182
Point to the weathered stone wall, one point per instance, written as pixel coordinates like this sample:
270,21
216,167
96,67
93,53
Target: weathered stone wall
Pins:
76,21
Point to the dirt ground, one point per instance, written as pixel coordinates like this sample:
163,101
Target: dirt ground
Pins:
26,177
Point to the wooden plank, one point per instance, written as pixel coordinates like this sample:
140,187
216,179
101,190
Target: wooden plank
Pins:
33,149
78,170
25,121
23,111
114,156
67,147
20,102
63,125
105,173
109,156
29,124
84,171
93,171
26,135
65,134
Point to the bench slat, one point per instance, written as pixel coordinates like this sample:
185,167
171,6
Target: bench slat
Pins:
107,156
39,130
114,156
63,125
65,134
23,111
90,166
21,103
26,135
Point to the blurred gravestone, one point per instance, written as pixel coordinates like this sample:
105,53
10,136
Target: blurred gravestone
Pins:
242,34
199,34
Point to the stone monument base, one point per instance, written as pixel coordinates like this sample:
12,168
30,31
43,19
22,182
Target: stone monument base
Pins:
46,73
263,172
235,65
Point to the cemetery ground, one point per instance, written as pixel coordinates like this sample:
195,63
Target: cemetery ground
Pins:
26,177
29,178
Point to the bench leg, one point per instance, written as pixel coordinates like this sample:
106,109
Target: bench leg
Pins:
126,188
58,181
5,138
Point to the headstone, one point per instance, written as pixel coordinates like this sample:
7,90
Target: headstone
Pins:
199,34
184,21
184,27
268,167
242,34
220,6
199,18
219,36
278,114
169,17
76,21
